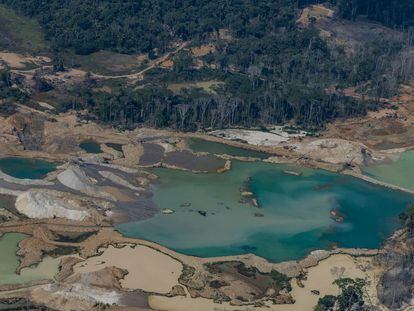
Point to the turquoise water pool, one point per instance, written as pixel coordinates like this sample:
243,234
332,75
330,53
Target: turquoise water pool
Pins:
26,168
294,217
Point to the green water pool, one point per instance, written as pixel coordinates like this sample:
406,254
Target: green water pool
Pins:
400,172
26,167
201,145
9,262
90,146
296,212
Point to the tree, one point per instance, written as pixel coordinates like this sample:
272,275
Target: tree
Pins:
351,296
183,61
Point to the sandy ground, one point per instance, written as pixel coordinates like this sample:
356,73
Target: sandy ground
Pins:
257,138
17,61
320,277
147,268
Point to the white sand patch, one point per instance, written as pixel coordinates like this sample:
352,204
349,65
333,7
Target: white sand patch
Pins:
257,138
48,204
147,268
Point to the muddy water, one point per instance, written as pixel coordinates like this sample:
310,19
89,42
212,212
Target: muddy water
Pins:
294,217
201,145
189,161
153,154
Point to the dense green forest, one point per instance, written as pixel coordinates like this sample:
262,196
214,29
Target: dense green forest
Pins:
140,26
272,70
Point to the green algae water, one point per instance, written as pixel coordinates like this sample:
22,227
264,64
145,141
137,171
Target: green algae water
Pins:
294,218
26,167
399,173
201,145
90,146
9,263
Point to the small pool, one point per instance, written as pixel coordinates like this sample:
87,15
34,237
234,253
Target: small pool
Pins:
26,167
90,146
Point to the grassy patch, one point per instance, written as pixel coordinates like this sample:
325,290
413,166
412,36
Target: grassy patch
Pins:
207,86
18,33
106,62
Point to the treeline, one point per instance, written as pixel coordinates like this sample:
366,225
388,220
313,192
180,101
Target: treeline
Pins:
159,107
392,13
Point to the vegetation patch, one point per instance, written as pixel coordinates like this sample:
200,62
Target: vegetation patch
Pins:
19,33
106,62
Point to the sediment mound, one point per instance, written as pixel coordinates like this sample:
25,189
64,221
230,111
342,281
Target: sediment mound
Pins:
76,179
49,204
